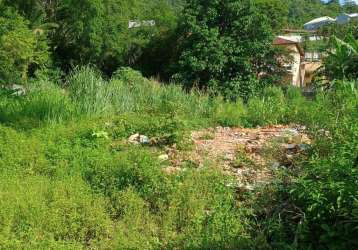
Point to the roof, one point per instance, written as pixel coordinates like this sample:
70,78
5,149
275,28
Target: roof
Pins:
352,15
285,40
345,17
135,24
320,20
288,39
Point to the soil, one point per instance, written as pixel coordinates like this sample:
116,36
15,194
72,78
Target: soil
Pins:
251,155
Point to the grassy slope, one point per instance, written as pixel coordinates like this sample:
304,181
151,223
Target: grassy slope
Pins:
69,181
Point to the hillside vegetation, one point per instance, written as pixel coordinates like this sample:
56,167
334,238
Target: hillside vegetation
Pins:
90,111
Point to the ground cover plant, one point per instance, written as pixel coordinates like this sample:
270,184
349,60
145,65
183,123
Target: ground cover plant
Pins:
138,125
71,180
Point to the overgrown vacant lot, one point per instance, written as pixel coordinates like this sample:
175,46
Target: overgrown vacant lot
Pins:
70,178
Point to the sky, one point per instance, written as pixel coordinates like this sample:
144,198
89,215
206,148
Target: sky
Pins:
340,0
354,0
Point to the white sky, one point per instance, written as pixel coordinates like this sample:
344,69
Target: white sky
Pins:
341,1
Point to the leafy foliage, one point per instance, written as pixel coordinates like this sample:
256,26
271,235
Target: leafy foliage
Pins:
342,60
225,47
302,11
21,49
87,188
71,180
276,12
96,32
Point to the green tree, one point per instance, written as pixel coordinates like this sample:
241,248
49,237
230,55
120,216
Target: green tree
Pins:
276,11
225,46
128,47
342,59
96,31
302,11
78,39
350,6
21,49
333,8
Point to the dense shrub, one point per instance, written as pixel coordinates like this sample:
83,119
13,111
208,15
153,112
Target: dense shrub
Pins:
20,48
320,208
137,227
19,153
202,213
134,168
327,189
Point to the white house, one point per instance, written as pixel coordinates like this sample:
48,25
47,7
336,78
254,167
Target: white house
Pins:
318,23
136,24
346,18
295,68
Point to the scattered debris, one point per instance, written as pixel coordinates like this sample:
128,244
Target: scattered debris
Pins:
15,89
143,139
100,134
276,165
325,133
241,151
163,157
134,139
138,139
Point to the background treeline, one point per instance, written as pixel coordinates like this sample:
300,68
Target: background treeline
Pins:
69,33
52,37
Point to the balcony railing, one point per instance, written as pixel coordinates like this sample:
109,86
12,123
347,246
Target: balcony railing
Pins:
313,56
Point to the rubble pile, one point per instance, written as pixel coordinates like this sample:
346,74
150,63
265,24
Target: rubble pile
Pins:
251,155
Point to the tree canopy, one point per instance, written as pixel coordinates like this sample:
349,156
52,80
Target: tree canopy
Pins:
20,47
225,46
198,41
96,31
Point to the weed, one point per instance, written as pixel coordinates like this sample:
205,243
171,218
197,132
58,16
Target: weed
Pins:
242,160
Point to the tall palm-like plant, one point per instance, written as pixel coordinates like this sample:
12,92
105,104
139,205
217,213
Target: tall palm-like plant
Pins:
342,60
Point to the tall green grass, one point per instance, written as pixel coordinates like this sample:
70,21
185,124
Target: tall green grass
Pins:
88,91
64,187
87,94
44,102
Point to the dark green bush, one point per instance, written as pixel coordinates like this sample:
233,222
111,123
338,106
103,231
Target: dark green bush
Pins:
21,49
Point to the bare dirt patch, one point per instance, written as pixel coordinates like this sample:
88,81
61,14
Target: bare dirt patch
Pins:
244,152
